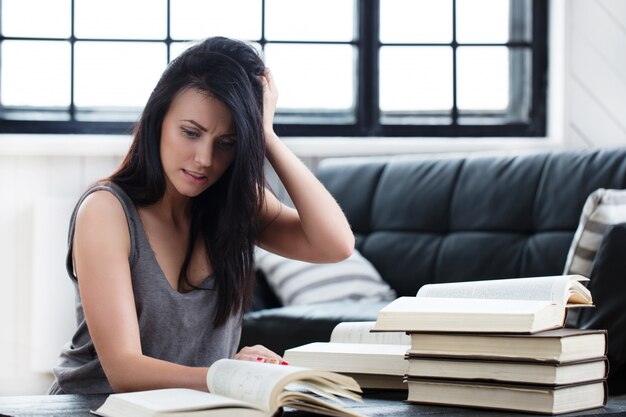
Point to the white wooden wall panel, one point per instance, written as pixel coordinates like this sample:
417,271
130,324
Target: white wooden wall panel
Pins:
577,139
616,8
595,86
600,26
592,121
605,85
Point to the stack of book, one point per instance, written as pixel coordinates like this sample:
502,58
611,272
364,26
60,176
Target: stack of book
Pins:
501,344
374,360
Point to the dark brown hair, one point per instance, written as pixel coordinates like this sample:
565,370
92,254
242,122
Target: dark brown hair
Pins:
227,214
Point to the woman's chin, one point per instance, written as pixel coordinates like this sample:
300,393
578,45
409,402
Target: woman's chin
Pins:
190,191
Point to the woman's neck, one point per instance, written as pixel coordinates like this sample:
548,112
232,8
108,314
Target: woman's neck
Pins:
173,208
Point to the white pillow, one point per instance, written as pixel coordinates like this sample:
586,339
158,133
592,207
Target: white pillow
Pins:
297,282
602,209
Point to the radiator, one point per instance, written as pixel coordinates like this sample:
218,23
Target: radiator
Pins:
52,306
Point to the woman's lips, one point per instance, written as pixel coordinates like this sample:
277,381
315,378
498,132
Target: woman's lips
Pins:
195,177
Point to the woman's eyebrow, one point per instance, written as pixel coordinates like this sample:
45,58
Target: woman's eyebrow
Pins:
198,125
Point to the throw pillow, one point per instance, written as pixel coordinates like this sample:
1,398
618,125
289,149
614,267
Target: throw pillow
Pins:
602,209
297,282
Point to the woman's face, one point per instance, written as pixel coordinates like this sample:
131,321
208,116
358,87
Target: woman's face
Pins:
198,142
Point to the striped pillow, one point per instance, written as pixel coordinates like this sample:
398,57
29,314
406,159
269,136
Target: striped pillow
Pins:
602,209
297,282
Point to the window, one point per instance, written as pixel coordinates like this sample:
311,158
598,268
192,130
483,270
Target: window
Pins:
344,67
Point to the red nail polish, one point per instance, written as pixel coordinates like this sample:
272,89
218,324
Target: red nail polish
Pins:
259,358
284,363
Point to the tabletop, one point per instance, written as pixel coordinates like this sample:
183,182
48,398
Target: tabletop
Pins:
375,404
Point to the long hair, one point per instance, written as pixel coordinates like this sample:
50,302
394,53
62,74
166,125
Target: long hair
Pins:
226,215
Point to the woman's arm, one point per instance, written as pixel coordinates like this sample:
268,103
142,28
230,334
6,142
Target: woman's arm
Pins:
101,250
317,230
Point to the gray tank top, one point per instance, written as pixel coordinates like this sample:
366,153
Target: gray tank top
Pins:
175,327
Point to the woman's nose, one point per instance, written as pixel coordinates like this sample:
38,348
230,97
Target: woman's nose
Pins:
204,155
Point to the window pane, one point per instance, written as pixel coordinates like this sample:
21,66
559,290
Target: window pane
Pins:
405,21
35,73
415,78
121,19
177,48
116,74
483,78
313,76
52,18
481,21
198,19
321,20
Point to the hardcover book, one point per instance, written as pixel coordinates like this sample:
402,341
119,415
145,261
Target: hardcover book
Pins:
516,397
561,345
546,373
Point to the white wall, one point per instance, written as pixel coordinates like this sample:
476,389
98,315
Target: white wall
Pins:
40,177
595,80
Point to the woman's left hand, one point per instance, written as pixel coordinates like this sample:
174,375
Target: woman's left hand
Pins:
270,97
259,353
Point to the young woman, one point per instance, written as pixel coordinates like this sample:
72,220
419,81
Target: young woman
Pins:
161,253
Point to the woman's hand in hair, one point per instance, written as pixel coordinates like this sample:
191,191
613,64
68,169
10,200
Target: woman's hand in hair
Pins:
258,353
270,97
316,230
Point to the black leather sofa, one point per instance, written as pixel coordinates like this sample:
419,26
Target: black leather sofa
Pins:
425,219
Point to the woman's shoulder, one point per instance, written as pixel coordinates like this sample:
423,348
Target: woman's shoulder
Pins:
104,197
101,216
102,206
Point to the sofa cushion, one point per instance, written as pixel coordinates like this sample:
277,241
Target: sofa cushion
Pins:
297,282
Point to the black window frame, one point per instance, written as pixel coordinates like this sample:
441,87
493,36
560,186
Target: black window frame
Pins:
367,121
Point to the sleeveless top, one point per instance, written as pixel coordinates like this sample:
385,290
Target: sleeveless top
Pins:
175,327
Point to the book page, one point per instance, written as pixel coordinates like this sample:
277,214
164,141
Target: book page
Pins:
359,332
168,400
553,288
311,404
248,381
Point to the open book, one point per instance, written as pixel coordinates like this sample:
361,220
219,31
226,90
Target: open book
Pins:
516,305
374,360
242,388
